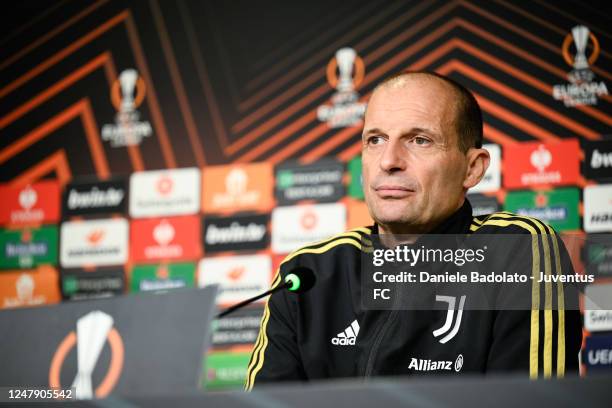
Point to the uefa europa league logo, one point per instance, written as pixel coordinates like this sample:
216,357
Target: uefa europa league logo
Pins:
127,93
583,87
92,330
345,72
127,81
345,58
581,36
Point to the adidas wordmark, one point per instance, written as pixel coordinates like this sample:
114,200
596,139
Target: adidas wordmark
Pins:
348,336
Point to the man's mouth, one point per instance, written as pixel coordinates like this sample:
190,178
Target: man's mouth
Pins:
393,191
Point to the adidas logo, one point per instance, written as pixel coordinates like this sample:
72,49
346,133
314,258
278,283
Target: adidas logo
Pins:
348,336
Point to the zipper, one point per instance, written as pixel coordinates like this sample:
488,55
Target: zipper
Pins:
381,334
374,350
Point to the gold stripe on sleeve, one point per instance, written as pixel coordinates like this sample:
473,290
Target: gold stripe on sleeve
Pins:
262,339
535,291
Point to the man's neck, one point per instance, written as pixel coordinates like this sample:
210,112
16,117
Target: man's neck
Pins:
392,235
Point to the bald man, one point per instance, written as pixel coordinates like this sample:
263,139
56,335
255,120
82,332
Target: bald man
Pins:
422,151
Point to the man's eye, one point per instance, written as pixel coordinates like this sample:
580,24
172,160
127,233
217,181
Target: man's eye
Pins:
375,140
421,141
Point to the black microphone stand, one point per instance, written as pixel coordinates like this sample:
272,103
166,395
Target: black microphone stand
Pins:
246,302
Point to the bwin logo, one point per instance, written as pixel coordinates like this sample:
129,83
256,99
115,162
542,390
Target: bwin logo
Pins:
601,160
348,336
450,313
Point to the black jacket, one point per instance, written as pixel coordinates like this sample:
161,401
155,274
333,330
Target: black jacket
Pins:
327,333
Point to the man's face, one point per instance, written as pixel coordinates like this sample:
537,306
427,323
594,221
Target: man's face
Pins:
413,170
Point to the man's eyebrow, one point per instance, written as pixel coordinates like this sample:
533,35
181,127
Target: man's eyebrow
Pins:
408,132
373,130
427,131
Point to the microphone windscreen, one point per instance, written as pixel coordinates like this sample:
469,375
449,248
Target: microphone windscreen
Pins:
303,279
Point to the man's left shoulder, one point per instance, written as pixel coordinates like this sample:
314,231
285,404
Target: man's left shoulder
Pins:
505,222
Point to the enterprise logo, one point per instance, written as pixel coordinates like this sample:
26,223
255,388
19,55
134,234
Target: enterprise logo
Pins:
421,364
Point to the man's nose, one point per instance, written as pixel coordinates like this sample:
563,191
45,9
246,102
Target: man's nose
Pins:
393,158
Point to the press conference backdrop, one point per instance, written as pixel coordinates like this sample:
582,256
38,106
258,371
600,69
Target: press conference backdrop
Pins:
148,145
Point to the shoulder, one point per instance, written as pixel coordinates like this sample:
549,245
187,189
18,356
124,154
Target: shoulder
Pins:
352,240
504,222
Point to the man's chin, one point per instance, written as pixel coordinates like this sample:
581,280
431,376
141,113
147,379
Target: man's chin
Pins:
396,220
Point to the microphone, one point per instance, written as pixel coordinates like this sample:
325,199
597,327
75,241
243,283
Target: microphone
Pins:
299,280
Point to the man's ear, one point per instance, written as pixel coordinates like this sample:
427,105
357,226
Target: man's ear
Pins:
477,163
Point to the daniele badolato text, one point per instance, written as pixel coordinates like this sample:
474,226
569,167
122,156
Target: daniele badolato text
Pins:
408,265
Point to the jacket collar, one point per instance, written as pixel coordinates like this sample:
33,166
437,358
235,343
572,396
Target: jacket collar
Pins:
458,223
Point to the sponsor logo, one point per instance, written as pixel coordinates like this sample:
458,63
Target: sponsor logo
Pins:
238,277
92,198
165,192
482,204
597,314
296,226
597,352
163,233
421,364
598,320
309,220
237,188
558,207
235,233
30,204
598,257
127,93
348,336
532,163
598,160
94,243
598,208
226,369
449,329
29,288
540,159
163,277
28,247
344,72
92,332
239,233
24,288
236,191
492,178
583,88
355,188
81,284
320,181
175,238
240,328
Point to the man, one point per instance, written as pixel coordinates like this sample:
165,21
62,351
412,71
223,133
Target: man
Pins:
422,151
